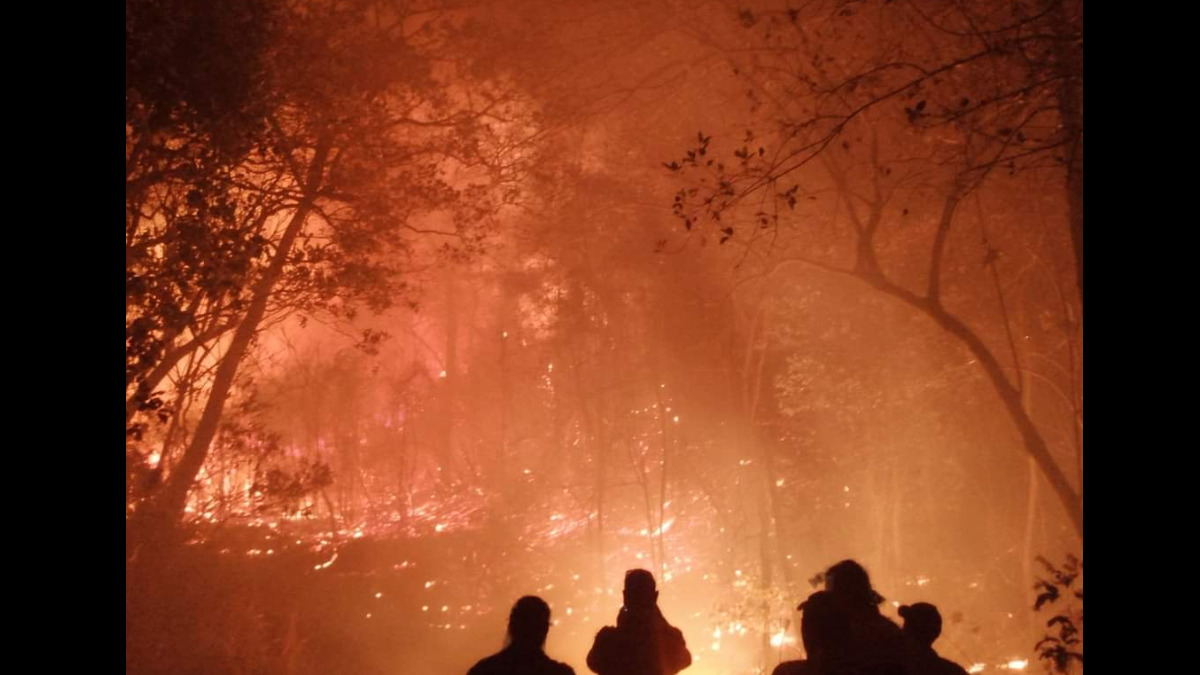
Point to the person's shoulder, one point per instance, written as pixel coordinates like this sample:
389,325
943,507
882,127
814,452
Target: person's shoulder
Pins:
949,667
886,622
485,666
884,628
791,668
605,638
560,668
803,667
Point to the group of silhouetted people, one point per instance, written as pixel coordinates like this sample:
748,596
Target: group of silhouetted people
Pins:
642,642
841,627
844,632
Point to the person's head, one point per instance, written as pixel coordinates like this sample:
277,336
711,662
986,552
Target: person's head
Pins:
640,590
529,622
819,624
849,582
922,622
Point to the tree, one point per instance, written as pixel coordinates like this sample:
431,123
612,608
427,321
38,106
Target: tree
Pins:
923,121
357,131
194,110
998,85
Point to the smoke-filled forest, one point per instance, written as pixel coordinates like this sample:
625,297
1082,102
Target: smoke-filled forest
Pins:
434,304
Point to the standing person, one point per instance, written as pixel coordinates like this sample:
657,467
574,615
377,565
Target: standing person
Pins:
922,626
820,626
868,641
528,624
642,643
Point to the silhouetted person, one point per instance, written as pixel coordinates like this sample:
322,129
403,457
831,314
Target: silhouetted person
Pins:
922,626
642,643
819,626
528,624
843,631
869,643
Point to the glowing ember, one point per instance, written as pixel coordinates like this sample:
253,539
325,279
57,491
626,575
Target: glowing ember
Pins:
1017,664
976,668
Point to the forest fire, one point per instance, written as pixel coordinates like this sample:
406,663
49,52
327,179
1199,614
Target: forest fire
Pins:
475,331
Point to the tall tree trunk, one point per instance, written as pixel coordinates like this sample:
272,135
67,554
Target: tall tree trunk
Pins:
594,432
867,269
664,430
767,580
1010,396
1028,554
1070,105
449,388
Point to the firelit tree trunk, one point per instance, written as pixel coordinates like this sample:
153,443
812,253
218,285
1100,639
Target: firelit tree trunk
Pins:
174,497
449,393
867,269
1070,106
767,580
760,443
1010,396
